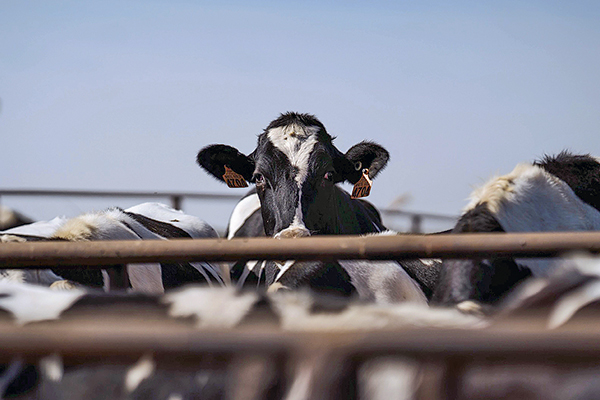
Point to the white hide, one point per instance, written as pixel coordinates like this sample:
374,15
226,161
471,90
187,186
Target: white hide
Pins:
530,199
383,282
569,304
30,303
138,372
244,209
43,229
213,307
294,310
193,226
113,224
297,143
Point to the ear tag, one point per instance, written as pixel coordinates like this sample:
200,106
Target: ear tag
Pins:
233,179
362,188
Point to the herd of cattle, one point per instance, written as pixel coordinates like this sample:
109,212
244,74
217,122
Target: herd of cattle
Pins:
295,169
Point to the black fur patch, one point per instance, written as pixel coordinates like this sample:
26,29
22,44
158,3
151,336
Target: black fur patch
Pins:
580,171
215,157
320,277
23,383
326,304
136,305
237,271
482,280
252,227
181,273
262,313
91,277
290,118
477,219
163,229
425,275
370,155
173,274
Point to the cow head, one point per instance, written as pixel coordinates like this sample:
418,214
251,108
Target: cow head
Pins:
295,168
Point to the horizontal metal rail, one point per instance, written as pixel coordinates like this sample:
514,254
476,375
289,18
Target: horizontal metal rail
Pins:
549,244
101,339
115,193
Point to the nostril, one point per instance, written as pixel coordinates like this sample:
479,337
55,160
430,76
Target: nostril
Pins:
293,232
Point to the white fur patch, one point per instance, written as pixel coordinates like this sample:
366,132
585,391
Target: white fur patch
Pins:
39,276
52,367
295,230
283,268
297,143
215,308
244,209
385,378
294,309
41,228
570,303
146,278
531,200
140,371
430,262
383,281
30,303
193,226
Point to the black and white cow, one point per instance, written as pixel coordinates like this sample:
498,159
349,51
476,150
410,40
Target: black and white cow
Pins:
141,222
557,193
295,168
194,309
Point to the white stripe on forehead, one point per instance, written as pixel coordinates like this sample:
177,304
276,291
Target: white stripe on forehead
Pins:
297,143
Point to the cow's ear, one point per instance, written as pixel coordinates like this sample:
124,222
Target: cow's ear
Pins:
366,155
214,158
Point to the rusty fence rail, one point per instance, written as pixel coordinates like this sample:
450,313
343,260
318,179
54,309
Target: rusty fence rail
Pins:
547,244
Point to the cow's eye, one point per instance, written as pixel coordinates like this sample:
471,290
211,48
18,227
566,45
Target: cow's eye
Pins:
328,176
259,179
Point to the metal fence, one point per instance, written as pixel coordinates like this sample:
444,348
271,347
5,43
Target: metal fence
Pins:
452,352
443,354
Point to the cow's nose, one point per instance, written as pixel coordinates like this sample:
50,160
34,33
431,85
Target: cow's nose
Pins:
295,231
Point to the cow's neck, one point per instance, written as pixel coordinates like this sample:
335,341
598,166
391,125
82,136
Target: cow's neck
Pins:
342,215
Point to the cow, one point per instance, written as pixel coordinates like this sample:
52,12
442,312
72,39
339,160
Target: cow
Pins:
556,193
295,168
194,309
144,221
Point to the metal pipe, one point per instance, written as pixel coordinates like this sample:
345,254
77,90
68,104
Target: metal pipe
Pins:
96,193
36,254
88,340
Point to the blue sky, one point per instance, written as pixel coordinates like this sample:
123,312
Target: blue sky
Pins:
120,95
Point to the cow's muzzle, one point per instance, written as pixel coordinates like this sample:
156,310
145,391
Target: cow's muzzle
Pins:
294,231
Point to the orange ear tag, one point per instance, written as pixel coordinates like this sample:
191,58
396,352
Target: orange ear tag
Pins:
362,188
233,179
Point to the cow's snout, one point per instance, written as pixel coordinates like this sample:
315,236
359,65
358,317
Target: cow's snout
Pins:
295,231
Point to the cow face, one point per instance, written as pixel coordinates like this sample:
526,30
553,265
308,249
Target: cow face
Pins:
295,167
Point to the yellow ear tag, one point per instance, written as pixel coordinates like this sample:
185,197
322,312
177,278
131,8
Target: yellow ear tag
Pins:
362,188
233,179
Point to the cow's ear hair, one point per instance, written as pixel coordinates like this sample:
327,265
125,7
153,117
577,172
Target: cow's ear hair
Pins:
214,158
366,155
